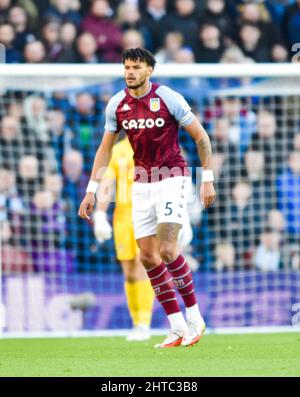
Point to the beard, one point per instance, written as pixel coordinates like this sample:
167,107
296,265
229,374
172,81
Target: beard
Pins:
134,87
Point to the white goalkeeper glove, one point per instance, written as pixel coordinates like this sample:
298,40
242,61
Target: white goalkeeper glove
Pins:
102,228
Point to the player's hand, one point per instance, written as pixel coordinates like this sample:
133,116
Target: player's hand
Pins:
102,228
87,206
207,194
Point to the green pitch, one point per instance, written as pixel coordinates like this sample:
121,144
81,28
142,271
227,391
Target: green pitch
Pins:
214,355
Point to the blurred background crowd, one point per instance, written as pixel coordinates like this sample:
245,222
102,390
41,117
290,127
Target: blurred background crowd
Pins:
180,31
47,146
48,138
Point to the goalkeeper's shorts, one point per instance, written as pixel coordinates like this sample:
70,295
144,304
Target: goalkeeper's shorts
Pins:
125,244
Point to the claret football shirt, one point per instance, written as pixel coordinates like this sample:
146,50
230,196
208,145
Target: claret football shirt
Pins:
151,123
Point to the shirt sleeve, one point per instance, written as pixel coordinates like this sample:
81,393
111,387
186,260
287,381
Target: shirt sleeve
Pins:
177,105
111,123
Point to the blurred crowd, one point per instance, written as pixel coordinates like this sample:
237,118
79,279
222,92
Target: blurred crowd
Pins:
180,31
47,145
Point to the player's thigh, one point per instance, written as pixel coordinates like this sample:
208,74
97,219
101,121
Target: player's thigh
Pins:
143,211
171,204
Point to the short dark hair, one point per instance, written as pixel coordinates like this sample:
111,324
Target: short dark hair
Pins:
140,54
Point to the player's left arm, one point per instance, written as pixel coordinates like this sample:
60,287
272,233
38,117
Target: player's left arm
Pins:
201,138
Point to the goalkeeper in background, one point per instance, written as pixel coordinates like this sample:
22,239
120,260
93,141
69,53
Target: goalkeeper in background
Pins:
138,289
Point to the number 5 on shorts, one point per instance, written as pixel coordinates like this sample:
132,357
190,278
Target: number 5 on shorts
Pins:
168,208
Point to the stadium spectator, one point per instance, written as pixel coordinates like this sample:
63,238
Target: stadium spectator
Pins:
234,54
250,40
210,46
132,39
85,120
80,239
35,108
106,32
7,37
228,168
185,20
279,54
255,163
47,234
72,166
158,22
18,18
15,109
29,179
291,24
62,11
288,194
263,188
53,184
68,34
51,40
11,205
87,49
184,55
296,142
265,140
129,17
34,10
244,224
276,221
35,133
173,42
216,13
268,254
225,257
4,10
10,143
14,259
34,52
221,143
60,135
256,13
242,121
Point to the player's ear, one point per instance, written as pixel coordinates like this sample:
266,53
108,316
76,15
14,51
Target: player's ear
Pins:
150,70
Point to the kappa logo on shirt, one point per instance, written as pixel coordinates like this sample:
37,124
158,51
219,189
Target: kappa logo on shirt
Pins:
125,108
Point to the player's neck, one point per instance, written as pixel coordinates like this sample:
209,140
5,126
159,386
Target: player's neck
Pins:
140,91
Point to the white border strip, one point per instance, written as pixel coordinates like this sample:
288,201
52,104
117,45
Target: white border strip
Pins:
166,70
154,332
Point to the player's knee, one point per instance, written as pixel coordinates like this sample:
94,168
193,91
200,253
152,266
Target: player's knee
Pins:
129,270
168,252
149,259
130,276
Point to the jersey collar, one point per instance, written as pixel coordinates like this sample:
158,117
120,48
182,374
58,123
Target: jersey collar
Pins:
143,96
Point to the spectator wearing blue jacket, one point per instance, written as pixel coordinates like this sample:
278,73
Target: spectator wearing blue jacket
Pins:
288,193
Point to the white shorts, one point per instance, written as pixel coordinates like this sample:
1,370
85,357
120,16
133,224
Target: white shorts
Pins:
159,202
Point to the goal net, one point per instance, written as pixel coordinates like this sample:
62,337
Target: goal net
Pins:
245,252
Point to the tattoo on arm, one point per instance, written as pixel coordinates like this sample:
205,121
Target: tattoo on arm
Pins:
205,152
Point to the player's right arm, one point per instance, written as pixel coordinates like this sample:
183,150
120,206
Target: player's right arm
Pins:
102,157
101,161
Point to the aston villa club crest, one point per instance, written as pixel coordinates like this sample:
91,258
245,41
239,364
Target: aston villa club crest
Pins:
154,104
